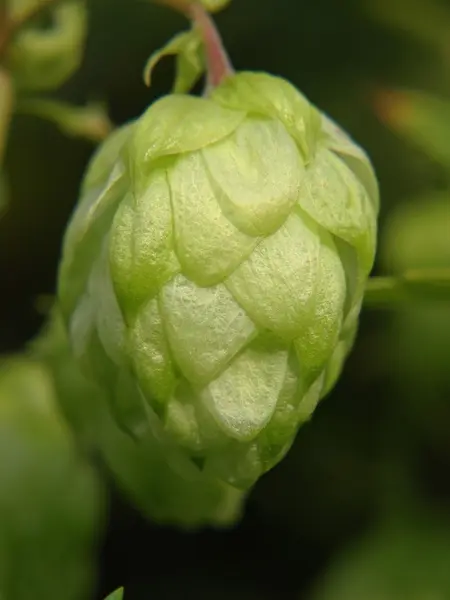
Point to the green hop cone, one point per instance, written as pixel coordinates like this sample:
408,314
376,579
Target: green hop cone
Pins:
214,270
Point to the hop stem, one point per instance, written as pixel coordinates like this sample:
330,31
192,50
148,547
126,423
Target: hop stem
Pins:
412,286
218,63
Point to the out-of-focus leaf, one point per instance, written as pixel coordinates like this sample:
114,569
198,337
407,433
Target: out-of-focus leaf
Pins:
425,20
402,560
187,47
6,106
417,235
18,10
49,499
416,239
89,122
117,595
421,118
43,58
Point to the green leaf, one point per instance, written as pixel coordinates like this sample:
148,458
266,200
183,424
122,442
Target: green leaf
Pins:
190,62
416,234
405,557
42,59
89,122
49,499
421,118
117,595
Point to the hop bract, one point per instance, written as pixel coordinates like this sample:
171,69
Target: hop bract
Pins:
214,270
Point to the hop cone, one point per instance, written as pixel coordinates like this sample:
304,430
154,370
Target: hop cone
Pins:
214,269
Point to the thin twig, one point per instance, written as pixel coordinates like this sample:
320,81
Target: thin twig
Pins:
430,285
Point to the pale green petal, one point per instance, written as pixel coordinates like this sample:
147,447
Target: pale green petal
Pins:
181,423
277,437
310,400
108,318
276,285
208,245
316,344
238,465
191,424
333,197
244,397
353,156
105,157
141,250
149,353
256,172
274,97
337,360
205,327
104,188
176,124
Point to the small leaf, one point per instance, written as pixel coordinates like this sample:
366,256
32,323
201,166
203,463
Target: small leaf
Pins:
117,595
188,49
89,122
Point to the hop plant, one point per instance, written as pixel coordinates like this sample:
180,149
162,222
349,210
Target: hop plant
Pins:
214,268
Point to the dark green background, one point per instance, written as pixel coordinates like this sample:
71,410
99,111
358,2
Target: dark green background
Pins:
382,436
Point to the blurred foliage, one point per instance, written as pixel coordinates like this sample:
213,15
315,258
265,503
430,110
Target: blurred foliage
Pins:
381,440
49,500
407,557
42,57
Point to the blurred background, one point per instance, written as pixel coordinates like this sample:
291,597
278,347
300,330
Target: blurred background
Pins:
360,508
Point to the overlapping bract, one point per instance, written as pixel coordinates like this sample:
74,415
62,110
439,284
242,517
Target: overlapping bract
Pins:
214,269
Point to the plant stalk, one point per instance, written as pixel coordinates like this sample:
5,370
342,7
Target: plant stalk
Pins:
218,63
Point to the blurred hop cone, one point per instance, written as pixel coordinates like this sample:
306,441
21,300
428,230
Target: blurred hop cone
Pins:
214,269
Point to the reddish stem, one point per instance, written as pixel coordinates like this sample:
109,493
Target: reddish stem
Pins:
218,64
